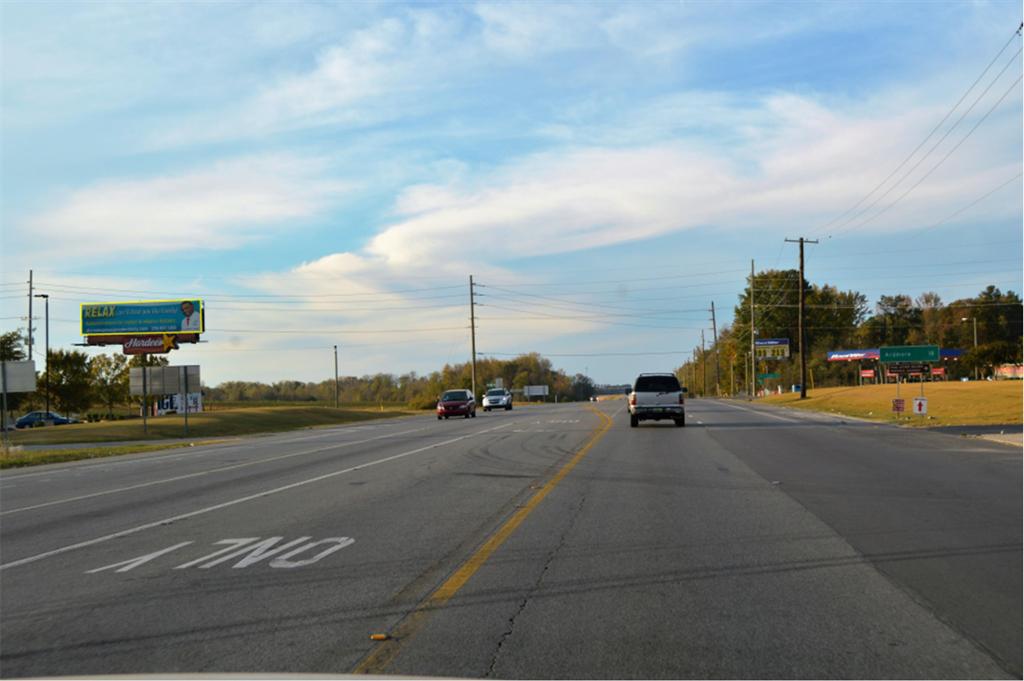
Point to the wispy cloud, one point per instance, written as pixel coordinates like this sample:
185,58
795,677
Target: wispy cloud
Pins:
800,163
217,206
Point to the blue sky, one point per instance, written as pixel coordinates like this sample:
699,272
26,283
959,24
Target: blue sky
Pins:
334,172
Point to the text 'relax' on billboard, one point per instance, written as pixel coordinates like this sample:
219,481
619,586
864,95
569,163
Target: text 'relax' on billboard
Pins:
143,317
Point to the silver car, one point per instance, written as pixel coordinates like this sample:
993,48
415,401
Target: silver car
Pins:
498,398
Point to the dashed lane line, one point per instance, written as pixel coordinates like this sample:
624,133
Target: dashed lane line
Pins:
240,500
211,471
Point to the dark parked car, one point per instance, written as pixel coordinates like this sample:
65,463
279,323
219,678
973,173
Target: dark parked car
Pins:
456,403
35,418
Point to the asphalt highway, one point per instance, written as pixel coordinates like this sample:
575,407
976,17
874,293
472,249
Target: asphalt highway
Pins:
545,542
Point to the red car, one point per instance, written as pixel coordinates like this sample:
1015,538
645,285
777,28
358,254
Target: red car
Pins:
456,403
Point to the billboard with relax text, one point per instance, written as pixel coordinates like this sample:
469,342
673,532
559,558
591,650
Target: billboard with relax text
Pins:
143,317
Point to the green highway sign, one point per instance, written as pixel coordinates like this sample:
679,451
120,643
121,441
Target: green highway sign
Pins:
909,353
771,375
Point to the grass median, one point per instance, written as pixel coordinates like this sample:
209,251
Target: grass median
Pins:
17,457
220,423
949,404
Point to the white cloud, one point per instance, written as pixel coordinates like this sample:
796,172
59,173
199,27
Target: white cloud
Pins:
219,206
798,163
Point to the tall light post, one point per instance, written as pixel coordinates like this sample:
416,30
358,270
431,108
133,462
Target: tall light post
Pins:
974,320
46,299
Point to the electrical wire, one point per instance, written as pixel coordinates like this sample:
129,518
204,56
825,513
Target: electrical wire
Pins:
937,165
949,113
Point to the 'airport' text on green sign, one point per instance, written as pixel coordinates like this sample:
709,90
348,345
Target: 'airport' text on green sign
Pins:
909,353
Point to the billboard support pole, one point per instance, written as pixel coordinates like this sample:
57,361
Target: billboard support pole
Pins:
184,376
145,394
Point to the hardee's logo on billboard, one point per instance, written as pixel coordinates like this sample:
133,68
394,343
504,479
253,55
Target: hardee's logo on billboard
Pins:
142,345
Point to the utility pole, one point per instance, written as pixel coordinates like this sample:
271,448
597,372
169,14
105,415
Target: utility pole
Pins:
752,376
718,356
30,315
46,298
472,330
335,376
800,322
732,376
703,365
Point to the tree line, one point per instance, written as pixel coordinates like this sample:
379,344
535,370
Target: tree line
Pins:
79,383
412,389
836,320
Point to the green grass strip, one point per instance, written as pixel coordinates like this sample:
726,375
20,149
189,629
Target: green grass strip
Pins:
19,458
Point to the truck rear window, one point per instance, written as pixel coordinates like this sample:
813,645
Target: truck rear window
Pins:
657,384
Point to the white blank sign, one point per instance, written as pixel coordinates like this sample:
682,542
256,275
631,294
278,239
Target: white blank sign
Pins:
18,377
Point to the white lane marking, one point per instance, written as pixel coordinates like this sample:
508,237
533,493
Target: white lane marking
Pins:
240,500
251,550
131,563
286,562
233,545
760,413
201,450
206,472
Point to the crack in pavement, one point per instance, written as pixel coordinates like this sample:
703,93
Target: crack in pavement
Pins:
535,587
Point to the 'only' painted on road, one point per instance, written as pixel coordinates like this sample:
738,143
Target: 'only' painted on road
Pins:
246,551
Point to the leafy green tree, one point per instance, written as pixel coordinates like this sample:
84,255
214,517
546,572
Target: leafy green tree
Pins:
12,346
110,379
582,388
70,381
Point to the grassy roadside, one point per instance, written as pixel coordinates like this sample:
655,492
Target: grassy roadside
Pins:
18,458
949,404
220,423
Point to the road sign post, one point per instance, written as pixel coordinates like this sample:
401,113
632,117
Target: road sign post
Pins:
904,360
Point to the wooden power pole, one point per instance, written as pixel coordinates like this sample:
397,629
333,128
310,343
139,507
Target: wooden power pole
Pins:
800,319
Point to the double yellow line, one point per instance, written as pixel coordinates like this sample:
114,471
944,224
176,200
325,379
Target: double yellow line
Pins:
381,656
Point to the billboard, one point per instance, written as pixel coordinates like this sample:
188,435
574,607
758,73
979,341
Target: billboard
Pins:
143,317
535,390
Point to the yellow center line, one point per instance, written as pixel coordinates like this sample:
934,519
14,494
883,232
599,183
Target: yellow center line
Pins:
381,656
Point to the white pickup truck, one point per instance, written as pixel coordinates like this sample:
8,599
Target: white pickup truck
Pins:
657,396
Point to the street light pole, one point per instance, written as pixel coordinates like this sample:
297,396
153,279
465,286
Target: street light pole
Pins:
46,299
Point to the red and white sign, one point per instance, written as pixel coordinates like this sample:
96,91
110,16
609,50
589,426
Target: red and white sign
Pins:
921,405
899,405
867,373
938,371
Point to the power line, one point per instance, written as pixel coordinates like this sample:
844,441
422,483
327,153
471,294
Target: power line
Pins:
927,137
941,161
